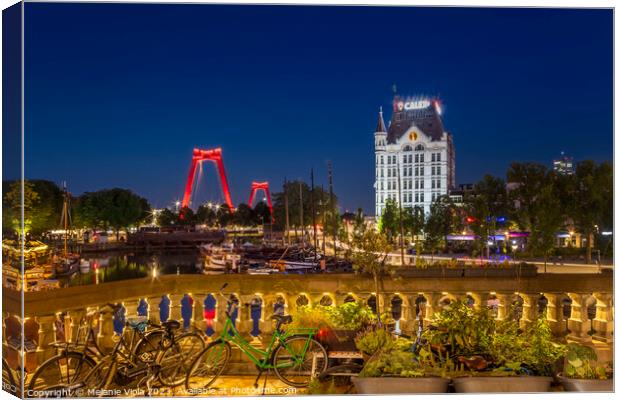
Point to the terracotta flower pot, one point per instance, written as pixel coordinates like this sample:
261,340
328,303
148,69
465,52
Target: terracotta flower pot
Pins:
397,385
499,384
586,385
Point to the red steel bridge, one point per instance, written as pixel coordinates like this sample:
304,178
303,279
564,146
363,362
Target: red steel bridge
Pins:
215,156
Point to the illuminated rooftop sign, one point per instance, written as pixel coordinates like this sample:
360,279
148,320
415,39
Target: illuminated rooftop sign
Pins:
413,105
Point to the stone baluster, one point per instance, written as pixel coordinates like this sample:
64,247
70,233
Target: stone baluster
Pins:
530,308
503,306
154,308
106,328
175,307
76,317
198,317
244,326
607,314
47,335
431,300
582,316
131,307
266,325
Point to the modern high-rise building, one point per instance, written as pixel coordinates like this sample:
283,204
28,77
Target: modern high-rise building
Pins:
414,156
564,165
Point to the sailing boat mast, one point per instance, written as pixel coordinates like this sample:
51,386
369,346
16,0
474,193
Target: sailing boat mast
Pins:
65,216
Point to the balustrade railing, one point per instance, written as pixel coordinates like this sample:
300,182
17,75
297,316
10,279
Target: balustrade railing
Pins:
580,306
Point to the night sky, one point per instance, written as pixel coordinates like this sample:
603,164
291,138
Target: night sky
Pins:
118,95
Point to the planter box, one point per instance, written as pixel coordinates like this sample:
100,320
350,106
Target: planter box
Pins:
586,385
339,340
500,384
395,385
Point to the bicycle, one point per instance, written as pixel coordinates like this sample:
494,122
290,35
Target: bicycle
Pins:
168,366
294,356
73,368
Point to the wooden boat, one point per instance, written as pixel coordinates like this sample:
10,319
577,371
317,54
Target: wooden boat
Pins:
36,278
66,263
286,265
84,266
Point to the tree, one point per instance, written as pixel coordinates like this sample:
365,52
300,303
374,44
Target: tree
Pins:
442,220
167,217
244,215
206,215
43,204
370,257
224,215
389,223
359,224
548,217
591,204
486,208
110,208
413,220
321,202
528,180
262,213
12,207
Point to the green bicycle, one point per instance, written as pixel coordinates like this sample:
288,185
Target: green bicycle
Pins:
294,356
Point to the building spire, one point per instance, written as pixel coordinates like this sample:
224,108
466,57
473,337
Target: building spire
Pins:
380,123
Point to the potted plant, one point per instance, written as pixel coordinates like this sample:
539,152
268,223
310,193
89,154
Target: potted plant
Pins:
393,368
495,356
337,325
582,372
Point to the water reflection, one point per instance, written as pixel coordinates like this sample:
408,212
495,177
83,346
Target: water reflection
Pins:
108,267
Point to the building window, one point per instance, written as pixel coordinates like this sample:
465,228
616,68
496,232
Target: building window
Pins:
422,197
422,184
419,148
421,157
422,171
417,158
432,184
433,157
416,198
438,183
438,157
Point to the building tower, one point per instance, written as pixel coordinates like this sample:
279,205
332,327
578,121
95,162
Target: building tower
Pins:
416,148
564,165
380,145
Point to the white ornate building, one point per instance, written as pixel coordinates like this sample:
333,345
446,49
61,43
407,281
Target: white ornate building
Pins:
413,156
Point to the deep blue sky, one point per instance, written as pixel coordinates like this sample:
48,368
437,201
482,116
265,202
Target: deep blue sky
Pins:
118,95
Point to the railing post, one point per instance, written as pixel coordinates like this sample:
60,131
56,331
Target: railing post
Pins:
106,328
502,307
175,307
154,308
198,317
76,317
530,308
47,335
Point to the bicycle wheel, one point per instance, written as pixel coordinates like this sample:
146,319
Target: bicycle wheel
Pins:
98,378
8,379
149,346
296,368
207,366
175,361
63,372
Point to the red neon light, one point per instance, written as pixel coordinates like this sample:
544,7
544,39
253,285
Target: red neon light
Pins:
264,186
199,156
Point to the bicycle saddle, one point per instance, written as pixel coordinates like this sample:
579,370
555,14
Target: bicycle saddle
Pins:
171,325
282,319
138,323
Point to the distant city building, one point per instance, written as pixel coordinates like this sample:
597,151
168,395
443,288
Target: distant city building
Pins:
413,156
458,194
564,165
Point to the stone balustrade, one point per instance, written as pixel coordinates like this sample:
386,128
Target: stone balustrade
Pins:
568,300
